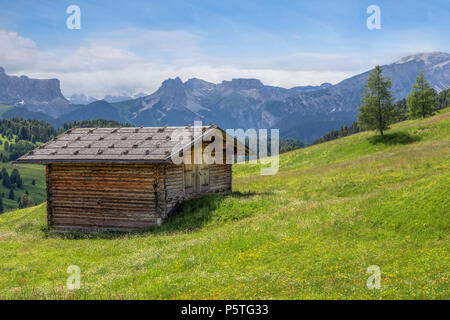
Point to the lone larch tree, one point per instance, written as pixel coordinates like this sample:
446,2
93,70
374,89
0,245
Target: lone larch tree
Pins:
423,100
377,111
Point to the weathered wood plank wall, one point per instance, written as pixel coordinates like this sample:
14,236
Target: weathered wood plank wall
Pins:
174,187
220,177
113,196
103,196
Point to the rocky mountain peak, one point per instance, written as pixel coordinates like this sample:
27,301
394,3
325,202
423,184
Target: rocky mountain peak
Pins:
43,95
80,98
172,84
428,58
195,83
243,84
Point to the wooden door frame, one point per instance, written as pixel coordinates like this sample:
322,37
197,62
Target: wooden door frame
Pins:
198,187
203,167
196,184
194,176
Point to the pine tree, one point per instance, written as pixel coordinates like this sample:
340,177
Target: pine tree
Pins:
402,109
6,180
423,100
377,111
3,173
16,178
19,183
14,175
444,99
23,133
25,201
11,194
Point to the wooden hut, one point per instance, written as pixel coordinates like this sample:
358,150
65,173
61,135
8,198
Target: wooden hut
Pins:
124,178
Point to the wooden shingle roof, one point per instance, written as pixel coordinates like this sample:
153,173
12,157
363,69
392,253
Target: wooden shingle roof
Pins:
127,144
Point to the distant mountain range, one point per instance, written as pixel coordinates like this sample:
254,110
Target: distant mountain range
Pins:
81,98
305,112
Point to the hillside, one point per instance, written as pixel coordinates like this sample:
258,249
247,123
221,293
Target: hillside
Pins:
28,173
309,232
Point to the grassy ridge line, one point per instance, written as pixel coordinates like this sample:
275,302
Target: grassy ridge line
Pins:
361,144
309,232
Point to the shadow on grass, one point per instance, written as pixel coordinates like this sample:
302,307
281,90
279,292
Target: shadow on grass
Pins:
394,138
189,216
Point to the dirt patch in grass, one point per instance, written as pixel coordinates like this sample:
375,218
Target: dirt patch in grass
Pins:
436,119
6,236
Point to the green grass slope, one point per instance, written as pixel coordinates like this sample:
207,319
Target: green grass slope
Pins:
28,173
309,232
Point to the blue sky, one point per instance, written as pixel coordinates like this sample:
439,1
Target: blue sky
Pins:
125,47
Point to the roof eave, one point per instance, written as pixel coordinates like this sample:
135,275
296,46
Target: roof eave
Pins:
45,161
190,144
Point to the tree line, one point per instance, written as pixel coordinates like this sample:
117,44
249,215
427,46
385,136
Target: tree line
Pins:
96,123
340,133
423,102
41,131
11,183
378,110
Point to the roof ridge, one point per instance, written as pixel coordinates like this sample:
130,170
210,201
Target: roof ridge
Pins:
115,144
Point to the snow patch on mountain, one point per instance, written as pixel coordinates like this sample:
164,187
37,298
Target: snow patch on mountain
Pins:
427,58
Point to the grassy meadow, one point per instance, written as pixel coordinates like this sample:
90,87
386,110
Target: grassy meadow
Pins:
309,232
28,173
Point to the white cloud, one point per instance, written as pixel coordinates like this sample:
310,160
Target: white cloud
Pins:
138,60
152,43
16,52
